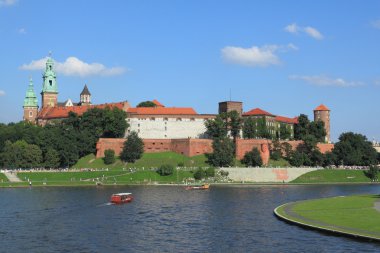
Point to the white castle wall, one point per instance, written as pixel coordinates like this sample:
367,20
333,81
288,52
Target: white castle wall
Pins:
167,128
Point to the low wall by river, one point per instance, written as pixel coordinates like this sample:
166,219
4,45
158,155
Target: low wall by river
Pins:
266,175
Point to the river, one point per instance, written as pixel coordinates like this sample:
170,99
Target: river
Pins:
166,219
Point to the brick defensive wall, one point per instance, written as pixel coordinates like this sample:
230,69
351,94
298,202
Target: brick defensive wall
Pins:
191,147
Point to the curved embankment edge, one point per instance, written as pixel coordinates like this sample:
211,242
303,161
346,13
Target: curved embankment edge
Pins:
319,228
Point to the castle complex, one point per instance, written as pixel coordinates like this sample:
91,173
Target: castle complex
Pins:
159,125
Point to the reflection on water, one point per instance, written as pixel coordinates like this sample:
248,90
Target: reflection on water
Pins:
165,219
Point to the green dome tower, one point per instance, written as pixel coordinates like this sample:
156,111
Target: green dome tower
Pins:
30,104
49,88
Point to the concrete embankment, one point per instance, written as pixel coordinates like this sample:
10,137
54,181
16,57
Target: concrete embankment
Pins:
12,177
266,175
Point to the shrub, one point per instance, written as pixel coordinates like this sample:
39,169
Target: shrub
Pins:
252,158
199,174
224,173
181,164
109,156
166,170
210,172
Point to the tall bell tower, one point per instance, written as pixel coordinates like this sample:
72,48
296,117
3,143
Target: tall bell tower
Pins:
49,87
30,104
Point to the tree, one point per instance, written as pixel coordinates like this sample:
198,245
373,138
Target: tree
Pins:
252,158
51,158
317,129
146,104
166,170
21,155
109,156
329,159
262,129
216,128
372,173
306,128
355,149
275,150
223,153
287,149
250,128
298,159
302,128
285,132
133,148
234,123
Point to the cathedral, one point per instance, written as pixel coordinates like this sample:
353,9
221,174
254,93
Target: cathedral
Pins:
159,122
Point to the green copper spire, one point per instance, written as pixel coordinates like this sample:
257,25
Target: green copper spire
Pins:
30,97
49,77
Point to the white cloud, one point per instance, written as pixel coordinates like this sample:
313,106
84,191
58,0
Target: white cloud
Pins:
376,24
292,28
72,66
255,56
313,33
22,31
2,93
323,80
7,2
310,31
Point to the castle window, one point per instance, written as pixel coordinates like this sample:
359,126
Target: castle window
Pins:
50,82
179,119
30,114
152,119
192,119
165,119
166,128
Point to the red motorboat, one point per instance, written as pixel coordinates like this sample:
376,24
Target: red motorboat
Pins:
121,198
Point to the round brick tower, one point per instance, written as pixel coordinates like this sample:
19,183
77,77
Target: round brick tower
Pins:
322,113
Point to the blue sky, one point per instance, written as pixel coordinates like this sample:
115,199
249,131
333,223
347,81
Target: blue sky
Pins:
285,57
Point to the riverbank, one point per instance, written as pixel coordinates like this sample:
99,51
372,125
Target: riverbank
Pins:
181,176
354,216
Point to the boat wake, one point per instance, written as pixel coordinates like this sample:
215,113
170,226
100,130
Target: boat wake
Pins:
105,204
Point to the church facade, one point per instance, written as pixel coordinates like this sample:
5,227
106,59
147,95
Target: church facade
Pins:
159,122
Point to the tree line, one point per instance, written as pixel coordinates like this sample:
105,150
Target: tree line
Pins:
61,142
351,150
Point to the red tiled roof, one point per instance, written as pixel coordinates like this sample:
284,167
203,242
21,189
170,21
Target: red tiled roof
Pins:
287,120
162,111
158,104
322,107
258,112
63,111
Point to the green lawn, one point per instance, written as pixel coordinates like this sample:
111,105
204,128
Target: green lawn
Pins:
280,163
105,177
333,176
354,214
149,160
3,178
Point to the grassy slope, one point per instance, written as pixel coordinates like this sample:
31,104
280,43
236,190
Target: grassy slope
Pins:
152,160
333,176
3,178
354,212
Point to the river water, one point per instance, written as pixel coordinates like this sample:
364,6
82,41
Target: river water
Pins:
166,219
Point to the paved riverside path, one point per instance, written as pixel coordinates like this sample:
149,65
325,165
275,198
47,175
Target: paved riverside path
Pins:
12,177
